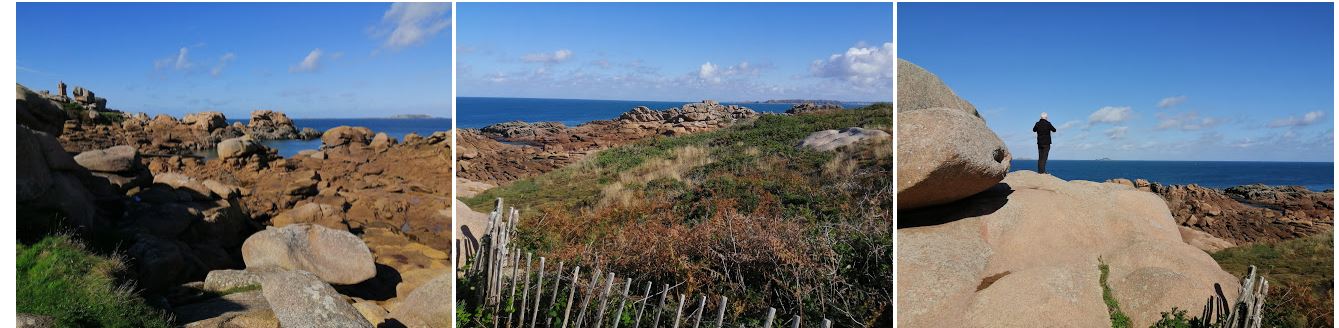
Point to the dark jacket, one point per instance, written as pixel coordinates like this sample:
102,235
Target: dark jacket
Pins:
1043,128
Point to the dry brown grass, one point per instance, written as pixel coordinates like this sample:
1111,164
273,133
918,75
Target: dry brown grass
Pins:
674,167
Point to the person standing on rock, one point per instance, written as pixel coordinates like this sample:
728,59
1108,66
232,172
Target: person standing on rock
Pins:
1043,128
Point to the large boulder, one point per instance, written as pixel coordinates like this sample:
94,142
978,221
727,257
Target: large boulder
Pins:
51,184
828,140
316,213
428,306
238,147
39,113
944,155
337,256
919,89
346,135
1032,248
205,121
301,299
115,159
184,183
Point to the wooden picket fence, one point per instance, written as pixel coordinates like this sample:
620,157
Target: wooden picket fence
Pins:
1246,312
516,293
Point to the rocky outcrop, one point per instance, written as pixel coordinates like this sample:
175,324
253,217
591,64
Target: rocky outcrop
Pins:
345,136
810,108
238,148
272,125
508,151
39,113
336,256
1031,247
205,121
919,89
523,130
829,140
1244,214
51,184
944,155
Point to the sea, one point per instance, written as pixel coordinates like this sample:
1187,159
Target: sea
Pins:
1315,176
394,127
478,112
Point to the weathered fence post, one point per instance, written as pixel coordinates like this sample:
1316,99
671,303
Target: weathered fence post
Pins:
720,313
771,314
576,274
678,311
585,300
525,292
658,308
795,322
637,323
827,323
618,317
604,299
701,306
539,294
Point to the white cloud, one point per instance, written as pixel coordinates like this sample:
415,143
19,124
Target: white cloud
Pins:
863,66
1293,121
223,62
309,63
708,72
555,57
1110,115
1171,101
1117,132
413,23
1068,125
1188,122
714,73
179,62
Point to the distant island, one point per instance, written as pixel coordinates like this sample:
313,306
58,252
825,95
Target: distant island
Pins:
411,116
1104,159
795,101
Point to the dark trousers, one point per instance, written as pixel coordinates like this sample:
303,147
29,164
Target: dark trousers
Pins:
1042,151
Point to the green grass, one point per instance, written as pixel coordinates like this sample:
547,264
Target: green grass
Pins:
59,277
1118,318
1300,274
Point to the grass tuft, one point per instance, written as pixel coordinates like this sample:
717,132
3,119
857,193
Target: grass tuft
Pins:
59,277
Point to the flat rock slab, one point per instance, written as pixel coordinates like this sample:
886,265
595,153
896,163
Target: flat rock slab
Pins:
231,304
299,299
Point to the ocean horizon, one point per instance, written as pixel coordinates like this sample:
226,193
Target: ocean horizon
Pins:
478,112
1315,176
394,127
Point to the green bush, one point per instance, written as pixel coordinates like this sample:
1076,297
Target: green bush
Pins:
59,277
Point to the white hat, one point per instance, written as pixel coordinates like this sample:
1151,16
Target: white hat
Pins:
1043,115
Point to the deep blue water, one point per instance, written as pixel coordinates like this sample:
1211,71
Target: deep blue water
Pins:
478,112
1315,176
397,128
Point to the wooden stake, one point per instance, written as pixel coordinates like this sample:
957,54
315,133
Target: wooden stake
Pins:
539,294
618,317
604,300
720,313
576,274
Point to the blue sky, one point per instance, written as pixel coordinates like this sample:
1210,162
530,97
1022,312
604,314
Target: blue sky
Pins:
312,60
676,51
1207,81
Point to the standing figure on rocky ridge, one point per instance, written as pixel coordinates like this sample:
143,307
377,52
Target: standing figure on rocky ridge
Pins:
1043,128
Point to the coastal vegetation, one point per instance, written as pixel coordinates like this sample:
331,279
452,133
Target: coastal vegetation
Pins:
59,277
740,211
1300,274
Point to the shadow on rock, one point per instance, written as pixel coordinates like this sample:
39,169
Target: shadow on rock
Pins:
380,288
983,203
